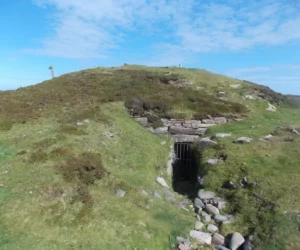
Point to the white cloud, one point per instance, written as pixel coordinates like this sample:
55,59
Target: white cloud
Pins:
90,28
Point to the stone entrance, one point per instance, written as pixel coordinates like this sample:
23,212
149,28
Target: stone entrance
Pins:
185,169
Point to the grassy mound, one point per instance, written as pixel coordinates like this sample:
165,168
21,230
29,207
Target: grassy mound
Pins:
68,145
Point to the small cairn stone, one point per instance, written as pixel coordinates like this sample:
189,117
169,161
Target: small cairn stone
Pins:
218,239
211,209
212,228
236,241
202,238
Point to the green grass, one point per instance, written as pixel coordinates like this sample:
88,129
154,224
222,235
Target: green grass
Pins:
60,186
51,203
274,165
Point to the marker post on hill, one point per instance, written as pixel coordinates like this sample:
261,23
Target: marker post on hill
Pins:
52,71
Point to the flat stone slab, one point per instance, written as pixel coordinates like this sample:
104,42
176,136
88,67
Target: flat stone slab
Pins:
187,131
185,138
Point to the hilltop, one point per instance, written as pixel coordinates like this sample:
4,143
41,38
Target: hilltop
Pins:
69,145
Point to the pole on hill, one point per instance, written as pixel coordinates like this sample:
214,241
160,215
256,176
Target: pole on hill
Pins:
52,71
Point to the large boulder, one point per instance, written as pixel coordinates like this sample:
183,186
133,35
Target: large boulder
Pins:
202,238
236,241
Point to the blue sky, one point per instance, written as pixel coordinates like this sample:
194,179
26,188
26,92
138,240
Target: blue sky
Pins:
253,40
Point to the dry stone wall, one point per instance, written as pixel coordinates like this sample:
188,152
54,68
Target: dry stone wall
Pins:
183,130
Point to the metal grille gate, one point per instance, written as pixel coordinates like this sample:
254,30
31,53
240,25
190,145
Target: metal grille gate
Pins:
183,153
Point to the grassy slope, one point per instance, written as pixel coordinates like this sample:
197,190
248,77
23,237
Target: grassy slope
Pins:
42,209
35,201
274,165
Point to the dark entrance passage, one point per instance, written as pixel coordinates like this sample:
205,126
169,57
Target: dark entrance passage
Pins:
185,169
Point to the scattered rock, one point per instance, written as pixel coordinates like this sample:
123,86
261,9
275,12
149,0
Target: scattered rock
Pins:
212,209
221,248
163,143
108,134
160,130
235,86
289,139
250,97
202,238
212,228
271,108
243,140
198,203
157,195
206,217
203,195
236,241
267,137
220,218
213,161
229,185
220,203
295,131
198,225
143,192
142,120
230,219
222,135
168,194
220,120
162,182
206,143
87,121
182,246
218,239
247,245
121,193
79,123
